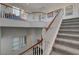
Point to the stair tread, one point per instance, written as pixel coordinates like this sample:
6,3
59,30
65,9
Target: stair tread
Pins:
70,20
65,34
69,30
71,26
66,49
68,41
66,24
70,23
55,53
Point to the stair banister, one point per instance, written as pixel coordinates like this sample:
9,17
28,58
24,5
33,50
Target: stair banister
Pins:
40,42
49,34
53,20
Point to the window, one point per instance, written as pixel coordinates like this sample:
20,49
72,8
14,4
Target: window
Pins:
43,16
3,8
8,10
50,14
78,8
69,10
16,11
24,15
15,43
0,10
40,17
19,42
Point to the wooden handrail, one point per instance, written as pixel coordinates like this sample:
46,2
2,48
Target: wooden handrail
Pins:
52,21
31,47
8,6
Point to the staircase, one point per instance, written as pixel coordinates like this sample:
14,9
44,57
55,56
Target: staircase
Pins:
67,41
44,45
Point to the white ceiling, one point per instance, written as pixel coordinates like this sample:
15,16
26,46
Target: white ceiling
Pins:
36,7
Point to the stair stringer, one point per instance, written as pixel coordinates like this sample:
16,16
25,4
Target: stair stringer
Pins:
50,36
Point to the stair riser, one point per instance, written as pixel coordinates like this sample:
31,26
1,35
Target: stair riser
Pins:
66,21
71,19
69,24
68,44
70,32
69,27
75,30
61,51
68,37
56,53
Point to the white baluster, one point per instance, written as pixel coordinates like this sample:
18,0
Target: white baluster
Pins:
2,13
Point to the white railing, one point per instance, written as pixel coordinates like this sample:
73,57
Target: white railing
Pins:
50,34
10,12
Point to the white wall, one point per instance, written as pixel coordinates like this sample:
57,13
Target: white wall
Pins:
0,10
9,33
24,16
52,8
63,6
33,17
17,23
55,7
37,17
0,40
75,12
